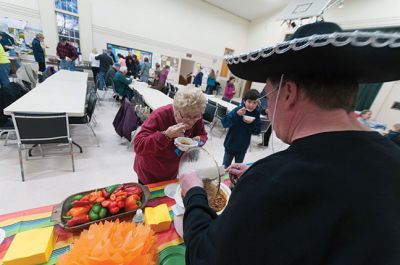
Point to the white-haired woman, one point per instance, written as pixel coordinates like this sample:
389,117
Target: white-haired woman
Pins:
121,83
156,157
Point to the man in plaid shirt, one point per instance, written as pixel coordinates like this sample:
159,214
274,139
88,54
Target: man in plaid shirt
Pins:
67,54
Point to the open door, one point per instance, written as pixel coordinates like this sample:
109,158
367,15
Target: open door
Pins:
186,72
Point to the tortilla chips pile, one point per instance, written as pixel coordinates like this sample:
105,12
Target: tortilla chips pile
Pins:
113,243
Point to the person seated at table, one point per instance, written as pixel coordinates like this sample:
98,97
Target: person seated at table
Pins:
156,74
121,83
162,79
237,139
157,158
365,118
394,134
111,73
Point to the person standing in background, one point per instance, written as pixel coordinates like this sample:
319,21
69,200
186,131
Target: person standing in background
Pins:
67,54
121,59
136,66
211,83
95,64
145,71
105,63
230,91
111,54
4,67
198,78
8,43
38,48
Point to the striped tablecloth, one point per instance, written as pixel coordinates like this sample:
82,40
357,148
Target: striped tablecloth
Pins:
14,223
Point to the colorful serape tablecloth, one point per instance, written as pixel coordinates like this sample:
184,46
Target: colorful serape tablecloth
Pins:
14,223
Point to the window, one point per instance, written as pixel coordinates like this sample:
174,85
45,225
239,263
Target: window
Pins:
67,20
67,5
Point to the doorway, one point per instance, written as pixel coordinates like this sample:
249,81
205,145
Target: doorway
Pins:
186,72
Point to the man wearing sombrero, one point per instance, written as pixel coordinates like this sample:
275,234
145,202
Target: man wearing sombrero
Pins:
333,197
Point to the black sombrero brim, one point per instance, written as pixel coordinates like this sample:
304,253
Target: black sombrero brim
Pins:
376,61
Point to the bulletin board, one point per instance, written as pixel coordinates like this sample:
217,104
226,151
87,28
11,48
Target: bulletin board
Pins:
224,68
125,51
173,63
22,31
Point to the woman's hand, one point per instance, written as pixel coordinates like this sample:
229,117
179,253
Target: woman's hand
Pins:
241,112
174,131
235,171
190,180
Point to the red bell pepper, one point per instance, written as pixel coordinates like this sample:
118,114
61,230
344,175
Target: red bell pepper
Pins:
114,210
105,203
80,203
121,204
78,220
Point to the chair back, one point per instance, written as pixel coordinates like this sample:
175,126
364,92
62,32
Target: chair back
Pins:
212,102
171,94
41,128
209,113
221,111
226,99
91,105
235,102
264,124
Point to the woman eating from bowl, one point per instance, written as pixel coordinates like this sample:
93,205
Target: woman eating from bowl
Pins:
156,156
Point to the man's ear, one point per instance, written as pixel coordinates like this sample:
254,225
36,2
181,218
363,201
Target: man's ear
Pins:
290,94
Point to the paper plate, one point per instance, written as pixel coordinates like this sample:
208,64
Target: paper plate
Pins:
2,235
178,224
174,255
170,190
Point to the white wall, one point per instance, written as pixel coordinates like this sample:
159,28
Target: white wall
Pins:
381,108
189,24
266,31
169,27
21,9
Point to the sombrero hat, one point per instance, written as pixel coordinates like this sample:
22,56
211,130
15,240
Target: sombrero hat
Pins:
321,48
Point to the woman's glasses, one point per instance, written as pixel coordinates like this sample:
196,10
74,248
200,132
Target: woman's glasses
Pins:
189,118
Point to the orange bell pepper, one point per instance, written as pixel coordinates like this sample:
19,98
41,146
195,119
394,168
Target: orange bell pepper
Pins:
78,211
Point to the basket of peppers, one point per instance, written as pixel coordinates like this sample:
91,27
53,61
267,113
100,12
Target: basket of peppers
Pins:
81,210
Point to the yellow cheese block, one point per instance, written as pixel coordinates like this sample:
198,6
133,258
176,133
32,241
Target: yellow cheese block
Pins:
30,247
158,217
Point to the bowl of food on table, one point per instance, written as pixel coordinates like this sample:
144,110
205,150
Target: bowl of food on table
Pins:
185,143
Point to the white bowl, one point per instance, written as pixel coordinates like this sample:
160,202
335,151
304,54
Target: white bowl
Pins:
248,118
185,143
224,188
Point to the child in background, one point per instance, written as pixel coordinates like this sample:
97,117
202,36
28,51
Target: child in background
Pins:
230,88
240,130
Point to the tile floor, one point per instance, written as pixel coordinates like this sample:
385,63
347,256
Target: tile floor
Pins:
50,180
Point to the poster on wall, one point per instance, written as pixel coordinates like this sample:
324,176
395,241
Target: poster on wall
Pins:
172,62
125,51
224,68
